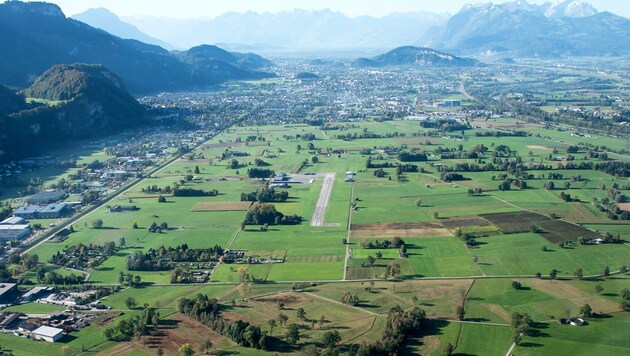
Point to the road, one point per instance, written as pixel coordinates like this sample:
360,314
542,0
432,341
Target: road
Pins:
322,203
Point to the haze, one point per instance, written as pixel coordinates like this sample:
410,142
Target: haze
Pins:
202,8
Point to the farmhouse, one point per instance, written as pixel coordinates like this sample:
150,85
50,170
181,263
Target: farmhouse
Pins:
47,333
46,198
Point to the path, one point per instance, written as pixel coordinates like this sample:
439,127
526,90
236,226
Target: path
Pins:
509,352
340,303
349,233
322,203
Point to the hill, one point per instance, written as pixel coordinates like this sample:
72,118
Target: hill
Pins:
208,55
35,36
568,28
91,100
416,56
110,22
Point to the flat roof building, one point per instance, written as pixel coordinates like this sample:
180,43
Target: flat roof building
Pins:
48,333
51,211
8,292
14,232
46,198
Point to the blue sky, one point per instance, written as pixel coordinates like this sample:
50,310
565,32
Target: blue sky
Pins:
211,8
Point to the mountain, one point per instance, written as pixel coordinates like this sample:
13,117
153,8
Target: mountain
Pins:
293,30
35,36
521,29
10,101
110,22
415,56
79,101
205,55
568,8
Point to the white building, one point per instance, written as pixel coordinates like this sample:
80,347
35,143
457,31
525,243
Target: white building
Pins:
47,333
14,232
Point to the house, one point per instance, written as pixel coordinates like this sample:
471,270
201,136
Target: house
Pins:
46,198
7,318
14,232
8,293
47,333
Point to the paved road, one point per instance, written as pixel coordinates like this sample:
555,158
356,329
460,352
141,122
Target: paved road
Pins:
322,203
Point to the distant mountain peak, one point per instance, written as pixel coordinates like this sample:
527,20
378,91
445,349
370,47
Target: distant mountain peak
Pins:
569,8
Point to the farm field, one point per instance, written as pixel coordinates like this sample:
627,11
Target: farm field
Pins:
390,236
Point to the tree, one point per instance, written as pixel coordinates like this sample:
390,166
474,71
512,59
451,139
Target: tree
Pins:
301,314
272,324
243,273
392,270
136,280
131,303
586,311
553,274
282,319
331,339
97,223
516,284
371,260
161,199
460,313
207,345
196,169
436,215
135,225
598,289
185,350
521,323
606,271
624,293
418,203
579,273
293,334
448,349
315,159
322,320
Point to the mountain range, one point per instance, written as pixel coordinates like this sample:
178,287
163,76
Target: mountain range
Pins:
518,28
569,28
293,30
34,36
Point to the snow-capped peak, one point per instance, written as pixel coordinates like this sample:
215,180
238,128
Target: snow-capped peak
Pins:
569,8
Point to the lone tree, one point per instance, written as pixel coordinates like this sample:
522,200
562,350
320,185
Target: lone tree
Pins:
553,274
186,350
579,273
460,313
131,303
598,289
586,311
448,349
331,339
301,314
293,334
97,223
272,324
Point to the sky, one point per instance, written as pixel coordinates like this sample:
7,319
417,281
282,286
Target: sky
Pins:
184,9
